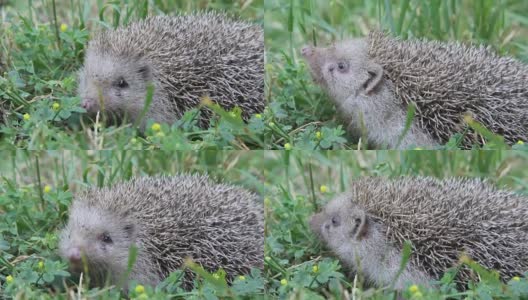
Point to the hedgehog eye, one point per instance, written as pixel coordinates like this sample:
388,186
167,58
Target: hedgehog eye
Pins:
121,83
342,66
105,238
336,220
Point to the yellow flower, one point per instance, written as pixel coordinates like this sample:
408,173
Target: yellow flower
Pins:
55,106
516,278
40,265
140,289
267,201
241,278
414,288
318,135
323,189
258,116
315,269
284,282
156,127
287,146
520,143
63,27
9,278
26,117
47,189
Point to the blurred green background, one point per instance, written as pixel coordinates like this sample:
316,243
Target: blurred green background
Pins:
301,182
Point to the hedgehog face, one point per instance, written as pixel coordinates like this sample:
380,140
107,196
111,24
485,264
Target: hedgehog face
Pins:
113,85
340,224
98,239
344,69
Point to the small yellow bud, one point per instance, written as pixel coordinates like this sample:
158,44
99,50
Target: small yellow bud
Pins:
63,27
315,269
414,288
47,189
216,276
516,278
271,124
284,282
323,189
318,135
9,278
241,278
40,265
232,114
55,106
267,201
133,141
418,148
140,289
258,116
287,146
26,117
156,127
520,143
267,258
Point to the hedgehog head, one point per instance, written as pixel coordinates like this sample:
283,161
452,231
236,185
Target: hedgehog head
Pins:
114,84
344,69
341,224
98,240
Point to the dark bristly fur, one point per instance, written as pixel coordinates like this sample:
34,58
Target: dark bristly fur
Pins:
186,57
168,219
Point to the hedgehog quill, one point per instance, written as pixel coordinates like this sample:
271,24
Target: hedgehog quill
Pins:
185,58
374,80
443,219
168,219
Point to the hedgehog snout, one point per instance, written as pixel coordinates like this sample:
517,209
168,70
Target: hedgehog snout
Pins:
307,51
88,103
74,255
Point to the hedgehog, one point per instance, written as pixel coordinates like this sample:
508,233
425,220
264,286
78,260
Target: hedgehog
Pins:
187,59
374,81
167,219
444,221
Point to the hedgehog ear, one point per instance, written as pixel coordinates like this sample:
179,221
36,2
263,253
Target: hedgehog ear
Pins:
145,72
375,76
360,225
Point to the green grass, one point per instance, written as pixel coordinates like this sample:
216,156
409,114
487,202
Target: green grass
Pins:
300,109
36,189
301,182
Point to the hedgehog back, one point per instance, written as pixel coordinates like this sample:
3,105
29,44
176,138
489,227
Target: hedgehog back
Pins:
445,218
447,81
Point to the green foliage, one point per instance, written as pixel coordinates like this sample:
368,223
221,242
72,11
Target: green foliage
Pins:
301,108
300,182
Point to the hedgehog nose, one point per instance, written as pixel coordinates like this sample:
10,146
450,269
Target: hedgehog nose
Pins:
74,255
306,50
87,103
331,68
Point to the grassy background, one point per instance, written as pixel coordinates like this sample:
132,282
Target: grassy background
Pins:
301,110
301,182
36,189
41,48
